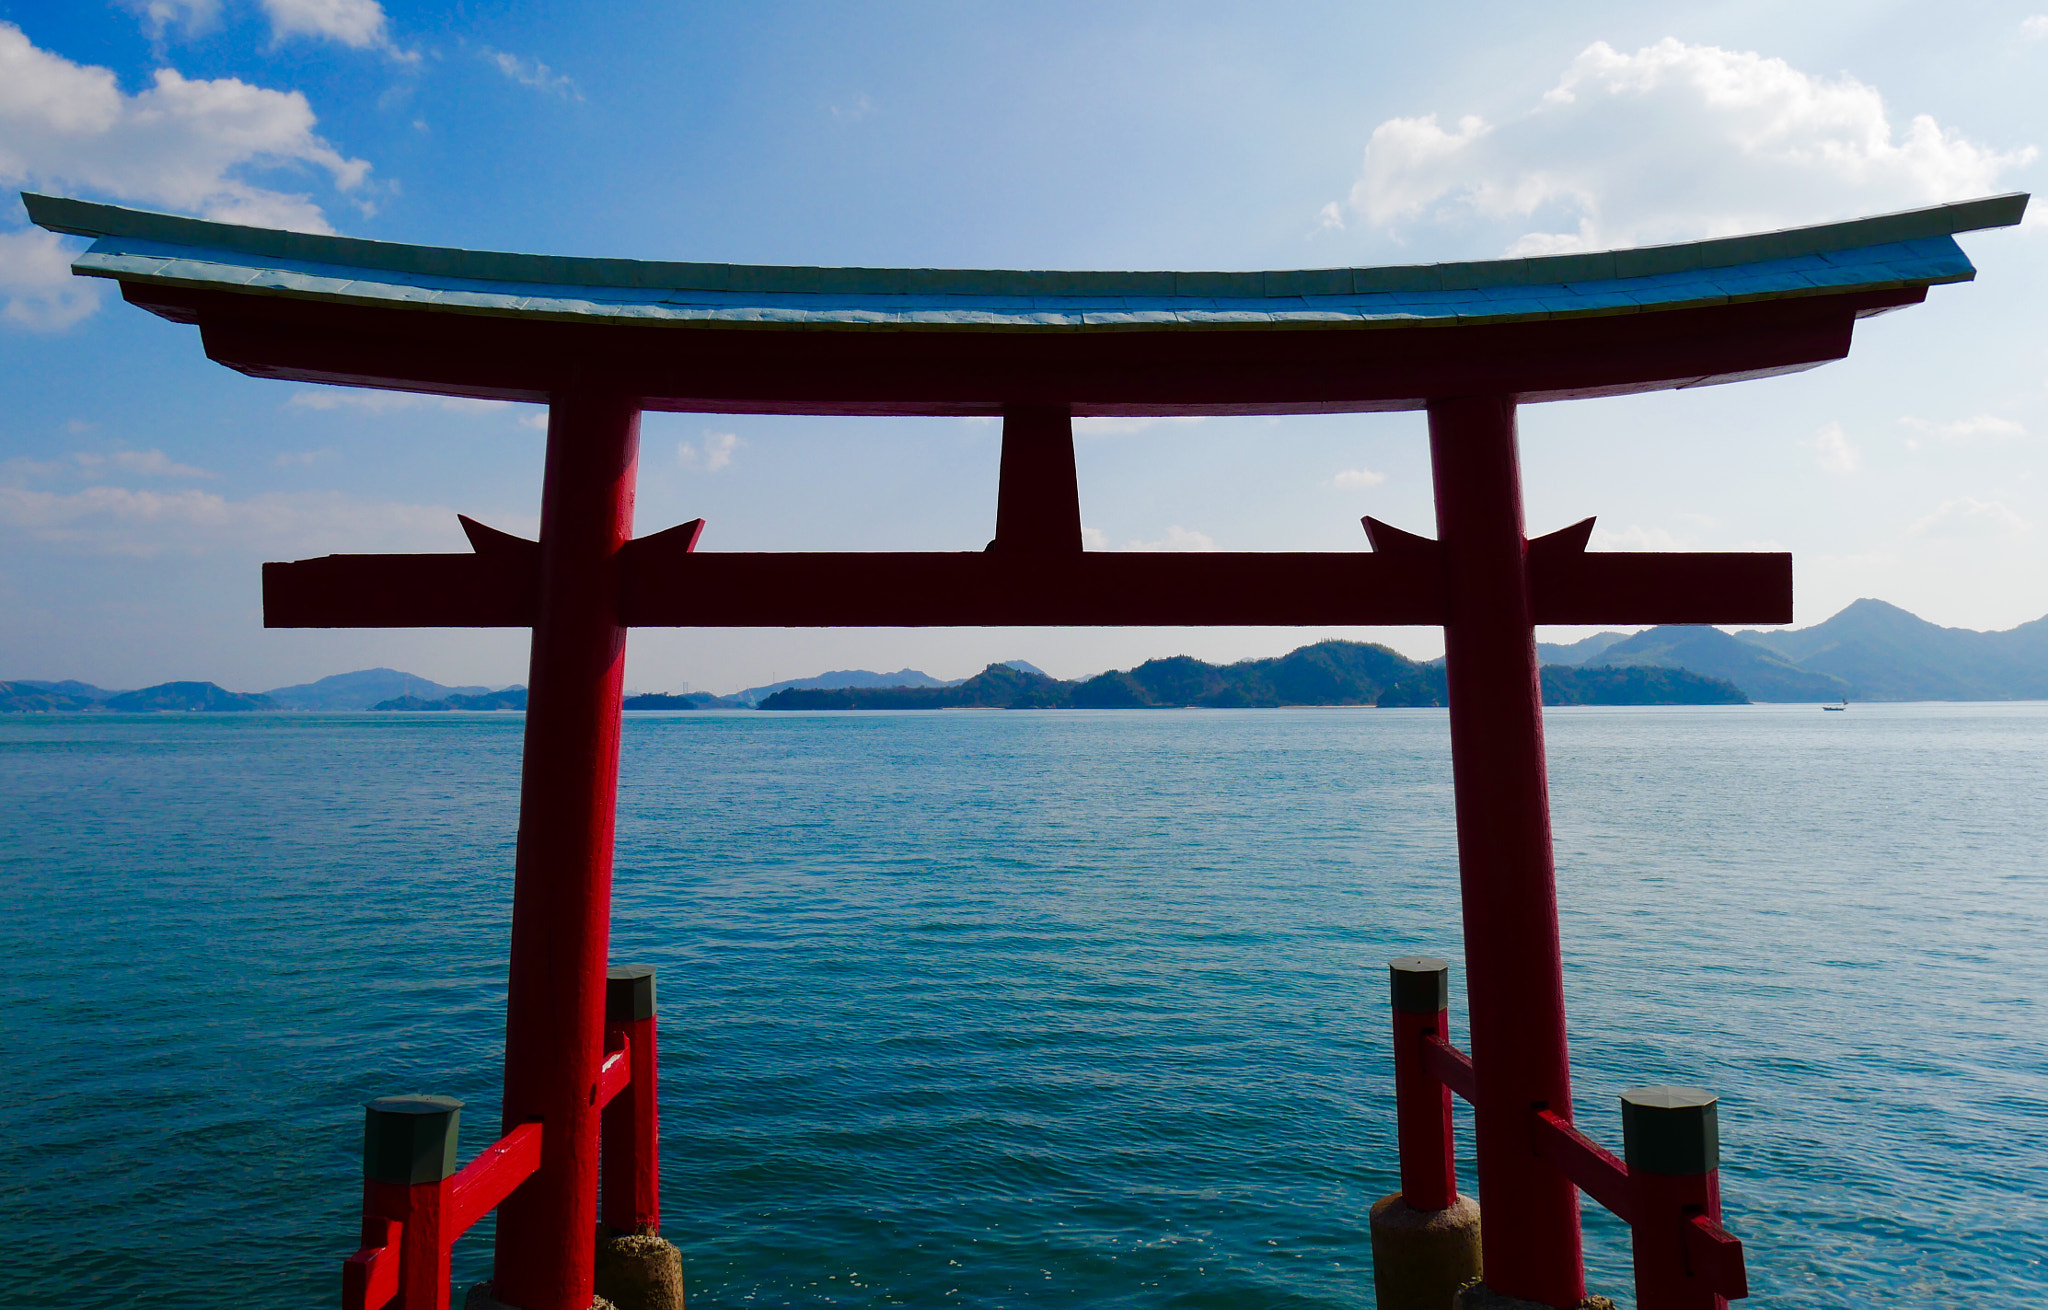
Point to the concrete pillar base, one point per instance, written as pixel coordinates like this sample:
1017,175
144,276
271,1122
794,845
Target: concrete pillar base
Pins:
1420,1258
639,1271
1478,1296
479,1298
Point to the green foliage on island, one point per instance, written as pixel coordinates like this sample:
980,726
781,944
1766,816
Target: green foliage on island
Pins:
686,700
1327,673
511,698
191,697
1640,685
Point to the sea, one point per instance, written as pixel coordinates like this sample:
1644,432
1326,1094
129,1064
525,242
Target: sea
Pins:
999,1009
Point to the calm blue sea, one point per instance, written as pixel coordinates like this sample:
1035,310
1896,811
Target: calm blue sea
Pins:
995,1009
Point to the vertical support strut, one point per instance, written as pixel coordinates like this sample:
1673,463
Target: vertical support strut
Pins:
1038,501
561,898
1513,967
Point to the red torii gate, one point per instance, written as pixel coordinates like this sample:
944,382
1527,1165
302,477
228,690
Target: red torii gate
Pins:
598,341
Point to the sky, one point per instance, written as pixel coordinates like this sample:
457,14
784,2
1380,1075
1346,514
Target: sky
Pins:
141,486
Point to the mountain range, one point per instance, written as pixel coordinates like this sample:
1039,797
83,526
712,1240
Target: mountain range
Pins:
1869,651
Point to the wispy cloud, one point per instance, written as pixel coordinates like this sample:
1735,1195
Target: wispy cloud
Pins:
531,72
1968,429
386,402
92,464
1358,479
1966,516
858,108
1637,537
712,454
1116,427
1177,538
148,463
1833,450
2034,28
159,16
110,520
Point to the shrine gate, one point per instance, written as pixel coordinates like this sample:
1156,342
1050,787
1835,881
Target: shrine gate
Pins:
600,340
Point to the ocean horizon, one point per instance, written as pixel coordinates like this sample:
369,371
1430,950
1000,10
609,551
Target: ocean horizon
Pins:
987,1009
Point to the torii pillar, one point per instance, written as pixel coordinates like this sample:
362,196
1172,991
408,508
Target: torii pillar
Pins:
562,889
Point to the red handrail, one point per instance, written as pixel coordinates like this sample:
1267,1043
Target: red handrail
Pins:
1684,1257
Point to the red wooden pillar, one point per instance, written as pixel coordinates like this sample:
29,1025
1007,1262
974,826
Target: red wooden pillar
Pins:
1515,984
1421,986
632,1123
561,898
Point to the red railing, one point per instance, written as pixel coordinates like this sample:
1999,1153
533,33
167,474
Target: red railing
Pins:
416,1204
1684,1259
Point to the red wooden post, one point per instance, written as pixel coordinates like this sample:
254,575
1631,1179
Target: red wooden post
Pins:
1514,975
408,1176
1429,1165
1671,1140
632,1160
561,898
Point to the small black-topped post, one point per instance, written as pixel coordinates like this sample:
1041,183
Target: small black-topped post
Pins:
628,993
636,1269
1671,1141
408,1175
410,1139
1425,1237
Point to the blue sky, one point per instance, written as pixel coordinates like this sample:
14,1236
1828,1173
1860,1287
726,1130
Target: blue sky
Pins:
141,486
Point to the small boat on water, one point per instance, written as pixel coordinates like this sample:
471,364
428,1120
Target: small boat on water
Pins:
1843,706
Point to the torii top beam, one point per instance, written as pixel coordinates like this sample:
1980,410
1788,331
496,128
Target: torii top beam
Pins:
746,339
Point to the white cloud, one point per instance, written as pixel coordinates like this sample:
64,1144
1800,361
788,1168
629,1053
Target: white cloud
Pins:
716,453
1094,539
359,24
36,281
1177,538
108,520
1358,478
1833,451
182,143
1966,516
2034,28
159,16
385,402
1330,218
1673,142
1977,425
286,459
1637,537
531,72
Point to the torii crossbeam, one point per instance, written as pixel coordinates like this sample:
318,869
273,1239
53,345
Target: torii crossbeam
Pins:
599,341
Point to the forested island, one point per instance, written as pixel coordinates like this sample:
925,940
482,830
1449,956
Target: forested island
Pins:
1326,673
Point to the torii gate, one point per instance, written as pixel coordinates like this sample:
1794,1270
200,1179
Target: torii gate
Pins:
600,340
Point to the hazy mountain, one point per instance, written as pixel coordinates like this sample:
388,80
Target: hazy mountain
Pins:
362,689
1577,652
844,678
1884,653
202,697
69,687
1762,674
41,698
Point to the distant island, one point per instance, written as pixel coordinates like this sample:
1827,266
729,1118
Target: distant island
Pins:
1869,651
1326,673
